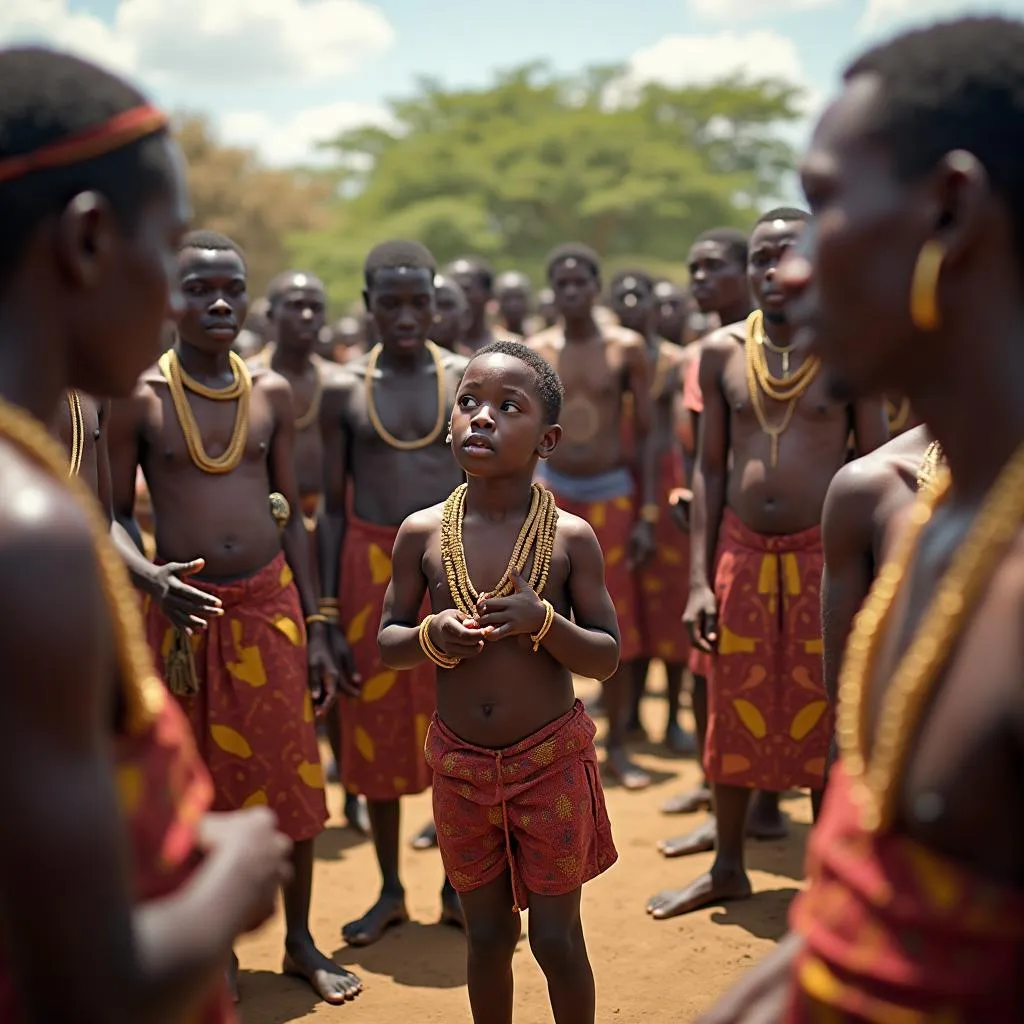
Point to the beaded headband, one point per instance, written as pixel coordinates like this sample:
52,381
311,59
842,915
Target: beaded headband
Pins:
121,130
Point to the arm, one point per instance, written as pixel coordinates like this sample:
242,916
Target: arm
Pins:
64,889
638,370
870,425
399,635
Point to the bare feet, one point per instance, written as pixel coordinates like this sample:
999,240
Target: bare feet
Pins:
331,983
451,909
233,978
704,891
679,741
701,840
357,817
426,838
694,800
765,820
630,776
387,912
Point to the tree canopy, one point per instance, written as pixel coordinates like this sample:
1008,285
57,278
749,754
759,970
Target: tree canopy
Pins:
509,172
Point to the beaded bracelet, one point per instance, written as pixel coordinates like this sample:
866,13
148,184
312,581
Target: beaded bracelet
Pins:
549,617
430,649
315,617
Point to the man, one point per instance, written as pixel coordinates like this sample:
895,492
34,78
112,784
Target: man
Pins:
908,916
476,279
258,331
771,440
512,291
717,263
452,319
663,579
349,339
670,302
214,443
547,311
384,422
123,879
590,472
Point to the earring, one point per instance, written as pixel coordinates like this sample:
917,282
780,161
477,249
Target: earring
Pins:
924,288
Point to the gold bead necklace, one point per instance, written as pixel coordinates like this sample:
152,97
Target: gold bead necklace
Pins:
386,436
77,431
143,692
240,388
876,777
931,463
760,380
536,538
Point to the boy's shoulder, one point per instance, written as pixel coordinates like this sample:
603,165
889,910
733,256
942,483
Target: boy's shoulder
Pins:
574,528
423,523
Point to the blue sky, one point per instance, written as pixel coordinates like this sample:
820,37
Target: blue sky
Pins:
278,74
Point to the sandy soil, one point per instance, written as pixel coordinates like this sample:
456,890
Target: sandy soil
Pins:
649,971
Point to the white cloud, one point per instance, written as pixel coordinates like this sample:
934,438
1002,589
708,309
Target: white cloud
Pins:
244,41
735,10
293,140
891,14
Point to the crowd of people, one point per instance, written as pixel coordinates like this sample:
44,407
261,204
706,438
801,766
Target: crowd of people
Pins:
797,482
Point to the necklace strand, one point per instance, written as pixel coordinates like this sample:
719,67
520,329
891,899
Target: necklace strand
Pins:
371,408
77,432
877,777
240,389
143,692
536,538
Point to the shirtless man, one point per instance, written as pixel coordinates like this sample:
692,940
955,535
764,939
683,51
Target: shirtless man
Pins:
452,319
476,279
670,304
663,579
717,263
120,899
772,438
512,291
590,471
919,205
384,423
214,442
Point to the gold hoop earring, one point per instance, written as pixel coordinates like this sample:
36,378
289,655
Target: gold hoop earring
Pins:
924,288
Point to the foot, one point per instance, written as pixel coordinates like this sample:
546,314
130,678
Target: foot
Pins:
387,912
679,741
426,838
619,766
357,817
233,979
765,820
451,909
705,891
333,984
701,840
694,800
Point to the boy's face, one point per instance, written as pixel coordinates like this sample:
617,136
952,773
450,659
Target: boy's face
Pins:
216,294
499,427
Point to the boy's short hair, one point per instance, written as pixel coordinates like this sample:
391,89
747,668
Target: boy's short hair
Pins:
549,386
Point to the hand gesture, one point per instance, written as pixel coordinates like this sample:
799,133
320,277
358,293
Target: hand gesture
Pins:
456,635
522,612
641,544
323,673
701,618
256,859
350,682
186,607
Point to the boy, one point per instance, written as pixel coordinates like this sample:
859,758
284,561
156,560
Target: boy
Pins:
508,713
214,441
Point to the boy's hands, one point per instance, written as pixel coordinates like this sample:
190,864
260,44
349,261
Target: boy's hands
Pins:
522,612
455,634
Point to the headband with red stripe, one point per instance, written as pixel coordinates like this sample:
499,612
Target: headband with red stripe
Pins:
99,140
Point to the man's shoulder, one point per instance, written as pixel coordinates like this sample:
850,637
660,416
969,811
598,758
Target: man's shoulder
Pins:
549,338
623,337
725,340
453,362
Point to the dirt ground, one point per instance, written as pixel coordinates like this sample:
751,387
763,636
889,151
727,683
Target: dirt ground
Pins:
649,971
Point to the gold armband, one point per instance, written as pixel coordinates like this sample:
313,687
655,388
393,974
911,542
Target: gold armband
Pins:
315,617
549,617
650,513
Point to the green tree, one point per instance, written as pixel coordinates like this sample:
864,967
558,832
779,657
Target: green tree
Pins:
511,171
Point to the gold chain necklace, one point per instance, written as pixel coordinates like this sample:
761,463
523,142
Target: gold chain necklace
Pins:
265,357
759,380
782,350
241,388
877,780
143,692
536,537
77,431
388,438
